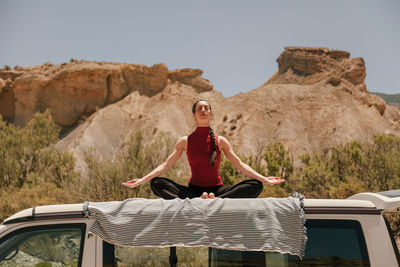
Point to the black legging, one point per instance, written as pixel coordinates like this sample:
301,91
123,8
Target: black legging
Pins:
168,189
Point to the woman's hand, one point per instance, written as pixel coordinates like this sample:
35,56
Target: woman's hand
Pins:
134,182
272,180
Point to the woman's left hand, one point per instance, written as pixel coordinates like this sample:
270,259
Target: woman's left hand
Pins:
272,180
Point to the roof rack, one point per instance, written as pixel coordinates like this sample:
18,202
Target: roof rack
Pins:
382,200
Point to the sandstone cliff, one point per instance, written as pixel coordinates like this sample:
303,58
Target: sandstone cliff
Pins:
74,91
317,98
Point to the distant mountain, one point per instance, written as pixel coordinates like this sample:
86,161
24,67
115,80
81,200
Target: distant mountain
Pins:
390,99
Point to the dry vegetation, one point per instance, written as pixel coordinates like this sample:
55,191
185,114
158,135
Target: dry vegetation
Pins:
33,172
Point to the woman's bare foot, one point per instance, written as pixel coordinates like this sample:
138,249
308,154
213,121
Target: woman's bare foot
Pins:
204,195
211,195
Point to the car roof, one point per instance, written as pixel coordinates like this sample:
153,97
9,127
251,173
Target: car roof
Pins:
362,201
76,210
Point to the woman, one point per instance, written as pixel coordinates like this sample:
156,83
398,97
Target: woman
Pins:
203,149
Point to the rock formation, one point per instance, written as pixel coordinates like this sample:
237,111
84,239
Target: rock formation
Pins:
316,99
74,91
307,65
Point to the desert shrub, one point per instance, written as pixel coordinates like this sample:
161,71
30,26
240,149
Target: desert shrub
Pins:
105,175
14,199
271,160
351,187
229,174
279,163
350,168
28,151
53,166
375,165
346,160
279,160
315,178
370,166
380,169
32,171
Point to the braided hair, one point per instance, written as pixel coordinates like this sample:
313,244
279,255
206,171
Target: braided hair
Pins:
213,155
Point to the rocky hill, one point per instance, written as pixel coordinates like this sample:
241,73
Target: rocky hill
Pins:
317,98
74,91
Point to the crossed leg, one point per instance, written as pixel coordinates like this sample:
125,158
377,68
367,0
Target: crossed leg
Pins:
168,189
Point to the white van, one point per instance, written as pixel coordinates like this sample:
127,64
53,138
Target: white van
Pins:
349,232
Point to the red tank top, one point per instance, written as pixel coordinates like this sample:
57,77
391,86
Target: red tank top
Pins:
198,152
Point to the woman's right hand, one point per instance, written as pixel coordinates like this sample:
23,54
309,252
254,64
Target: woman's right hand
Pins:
134,182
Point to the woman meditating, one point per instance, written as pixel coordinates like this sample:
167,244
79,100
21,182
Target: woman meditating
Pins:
203,149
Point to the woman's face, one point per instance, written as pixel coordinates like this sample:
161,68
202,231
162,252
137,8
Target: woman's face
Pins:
202,113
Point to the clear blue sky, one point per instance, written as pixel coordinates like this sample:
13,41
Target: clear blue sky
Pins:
235,43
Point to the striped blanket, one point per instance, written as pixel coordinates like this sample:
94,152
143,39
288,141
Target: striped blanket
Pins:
261,224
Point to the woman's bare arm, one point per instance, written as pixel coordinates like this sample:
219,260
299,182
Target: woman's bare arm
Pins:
243,167
180,146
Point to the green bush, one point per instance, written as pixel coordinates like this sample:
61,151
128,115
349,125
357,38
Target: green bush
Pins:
279,160
350,168
381,163
315,178
271,160
32,170
14,199
105,175
29,152
229,174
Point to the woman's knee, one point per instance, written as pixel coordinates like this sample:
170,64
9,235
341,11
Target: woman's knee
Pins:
258,185
254,182
156,182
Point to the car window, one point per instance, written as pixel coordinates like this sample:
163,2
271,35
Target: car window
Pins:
330,243
52,245
335,243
